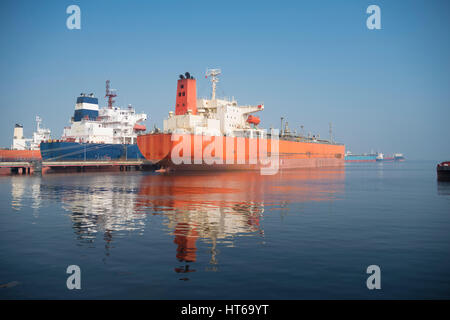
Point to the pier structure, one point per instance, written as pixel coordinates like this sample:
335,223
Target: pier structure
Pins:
29,167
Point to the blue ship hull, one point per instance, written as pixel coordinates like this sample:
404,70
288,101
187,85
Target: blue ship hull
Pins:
74,151
361,158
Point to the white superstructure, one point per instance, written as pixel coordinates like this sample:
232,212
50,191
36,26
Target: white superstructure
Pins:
210,116
103,125
22,143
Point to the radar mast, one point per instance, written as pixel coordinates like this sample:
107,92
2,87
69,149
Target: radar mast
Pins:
213,73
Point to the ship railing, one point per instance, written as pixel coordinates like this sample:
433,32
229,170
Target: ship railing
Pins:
21,159
74,153
305,139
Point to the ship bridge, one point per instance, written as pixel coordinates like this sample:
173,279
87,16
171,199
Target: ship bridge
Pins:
210,116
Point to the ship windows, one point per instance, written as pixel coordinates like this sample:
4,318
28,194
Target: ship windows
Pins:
179,94
183,93
182,86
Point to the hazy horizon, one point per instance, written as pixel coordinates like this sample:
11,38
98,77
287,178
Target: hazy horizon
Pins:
312,63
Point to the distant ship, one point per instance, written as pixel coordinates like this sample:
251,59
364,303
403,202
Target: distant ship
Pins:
364,157
443,171
108,133
25,148
395,157
372,157
235,129
381,157
399,157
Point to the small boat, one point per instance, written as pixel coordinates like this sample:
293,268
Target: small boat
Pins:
443,171
399,157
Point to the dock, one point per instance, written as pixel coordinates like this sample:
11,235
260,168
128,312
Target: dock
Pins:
28,167
23,167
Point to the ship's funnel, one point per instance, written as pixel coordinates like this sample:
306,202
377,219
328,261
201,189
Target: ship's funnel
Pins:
86,108
186,95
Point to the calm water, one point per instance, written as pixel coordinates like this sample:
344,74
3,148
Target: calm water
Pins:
300,234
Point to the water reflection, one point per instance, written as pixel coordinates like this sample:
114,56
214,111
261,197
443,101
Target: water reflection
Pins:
23,188
443,188
97,203
211,208
216,209
17,191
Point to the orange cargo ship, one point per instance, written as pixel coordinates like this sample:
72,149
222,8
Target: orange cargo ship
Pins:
24,149
9,155
206,134
19,155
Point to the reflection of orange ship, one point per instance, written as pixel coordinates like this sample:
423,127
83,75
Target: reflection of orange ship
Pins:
185,238
237,191
216,209
198,207
233,141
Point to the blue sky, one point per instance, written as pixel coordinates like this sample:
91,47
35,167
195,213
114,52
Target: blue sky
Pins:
310,61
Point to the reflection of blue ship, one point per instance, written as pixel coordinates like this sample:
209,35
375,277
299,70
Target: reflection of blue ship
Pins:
63,150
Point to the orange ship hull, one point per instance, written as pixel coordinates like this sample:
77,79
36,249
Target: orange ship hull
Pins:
236,153
17,155
8,155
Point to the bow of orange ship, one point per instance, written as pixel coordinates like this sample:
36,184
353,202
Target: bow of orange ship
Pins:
205,134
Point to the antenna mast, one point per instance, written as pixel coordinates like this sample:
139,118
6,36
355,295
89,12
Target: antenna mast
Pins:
38,123
331,133
213,73
111,94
